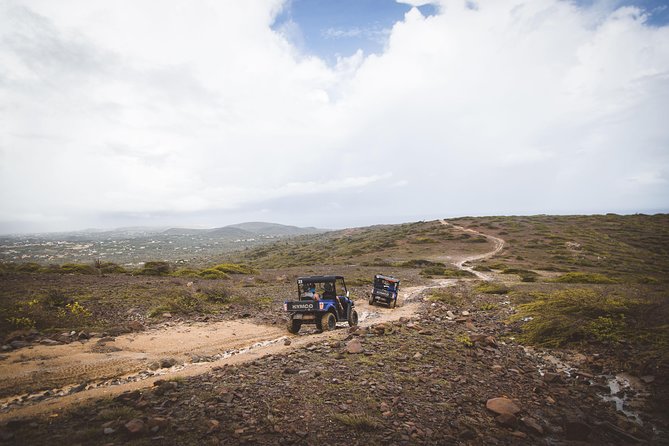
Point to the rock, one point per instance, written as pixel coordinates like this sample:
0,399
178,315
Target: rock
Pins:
164,386
134,426
450,314
167,315
153,422
286,342
648,379
532,425
418,355
135,326
577,430
213,426
290,371
48,341
502,406
166,363
108,431
507,420
465,313
551,377
354,346
19,344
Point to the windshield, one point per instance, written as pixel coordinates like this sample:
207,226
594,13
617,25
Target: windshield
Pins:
324,290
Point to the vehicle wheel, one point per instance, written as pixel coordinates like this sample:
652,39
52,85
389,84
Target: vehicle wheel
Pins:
353,318
294,326
371,299
328,322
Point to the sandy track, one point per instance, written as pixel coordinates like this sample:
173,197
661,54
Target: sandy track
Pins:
109,364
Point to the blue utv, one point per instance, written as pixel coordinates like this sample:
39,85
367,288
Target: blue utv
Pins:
385,290
323,301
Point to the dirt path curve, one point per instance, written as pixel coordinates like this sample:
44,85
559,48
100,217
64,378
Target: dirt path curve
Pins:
499,245
82,371
78,371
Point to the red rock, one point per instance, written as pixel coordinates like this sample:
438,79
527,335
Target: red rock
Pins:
134,426
354,346
502,406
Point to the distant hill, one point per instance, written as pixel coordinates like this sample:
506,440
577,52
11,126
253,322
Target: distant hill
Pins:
247,230
275,229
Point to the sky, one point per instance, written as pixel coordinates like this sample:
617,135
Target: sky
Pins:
329,114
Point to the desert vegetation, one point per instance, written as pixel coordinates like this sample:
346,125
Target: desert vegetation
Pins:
596,285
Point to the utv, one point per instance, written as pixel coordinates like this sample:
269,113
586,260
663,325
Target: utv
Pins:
385,290
323,301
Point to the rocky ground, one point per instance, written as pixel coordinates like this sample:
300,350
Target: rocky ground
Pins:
451,374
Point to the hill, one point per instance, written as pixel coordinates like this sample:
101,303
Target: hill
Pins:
510,330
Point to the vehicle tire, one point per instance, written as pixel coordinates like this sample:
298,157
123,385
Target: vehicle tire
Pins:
328,322
353,318
294,326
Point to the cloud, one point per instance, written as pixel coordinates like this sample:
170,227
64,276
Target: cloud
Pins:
506,106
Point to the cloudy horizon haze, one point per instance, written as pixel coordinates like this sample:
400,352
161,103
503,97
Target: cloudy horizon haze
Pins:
210,113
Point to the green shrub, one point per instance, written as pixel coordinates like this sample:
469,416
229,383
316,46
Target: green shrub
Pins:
29,267
445,272
111,268
77,268
56,299
213,274
215,293
186,272
357,421
577,277
481,268
155,268
446,296
574,315
420,263
491,288
233,268
183,303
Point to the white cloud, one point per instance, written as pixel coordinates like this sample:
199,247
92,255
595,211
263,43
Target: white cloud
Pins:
513,106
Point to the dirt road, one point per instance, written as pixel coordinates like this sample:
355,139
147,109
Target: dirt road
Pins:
45,379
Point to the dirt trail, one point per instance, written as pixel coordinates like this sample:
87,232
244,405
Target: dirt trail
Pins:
98,368
499,245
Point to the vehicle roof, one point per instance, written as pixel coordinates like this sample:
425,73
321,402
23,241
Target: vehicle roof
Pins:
314,279
388,278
